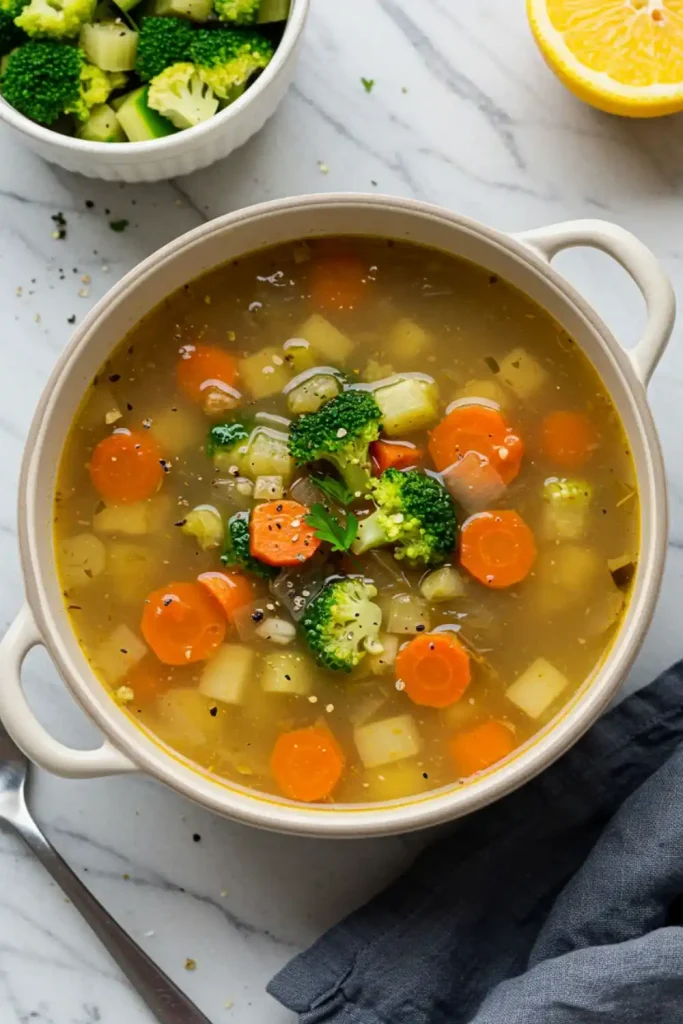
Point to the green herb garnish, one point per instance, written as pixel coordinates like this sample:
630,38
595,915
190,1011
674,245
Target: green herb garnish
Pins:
118,225
368,83
328,528
335,489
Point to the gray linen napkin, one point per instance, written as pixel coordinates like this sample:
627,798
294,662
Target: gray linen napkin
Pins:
561,904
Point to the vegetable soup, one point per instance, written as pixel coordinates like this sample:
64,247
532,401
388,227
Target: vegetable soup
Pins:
346,520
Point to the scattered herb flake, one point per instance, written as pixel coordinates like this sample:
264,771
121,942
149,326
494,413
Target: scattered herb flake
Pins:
368,83
190,964
492,364
119,225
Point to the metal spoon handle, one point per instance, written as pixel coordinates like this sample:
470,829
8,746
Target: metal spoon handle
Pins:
162,996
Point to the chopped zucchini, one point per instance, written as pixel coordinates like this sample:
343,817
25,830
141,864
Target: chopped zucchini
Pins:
130,568
287,672
299,354
268,488
407,404
490,390
273,10
139,121
276,631
265,373
177,429
118,654
328,343
389,740
110,45
83,558
383,662
102,126
268,455
406,614
226,677
205,524
442,585
408,341
566,507
184,719
522,374
537,688
193,10
311,394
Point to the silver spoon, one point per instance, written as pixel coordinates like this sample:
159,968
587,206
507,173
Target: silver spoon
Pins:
162,996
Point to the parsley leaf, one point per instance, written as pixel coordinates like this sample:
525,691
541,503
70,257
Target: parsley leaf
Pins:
368,83
335,489
328,528
118,225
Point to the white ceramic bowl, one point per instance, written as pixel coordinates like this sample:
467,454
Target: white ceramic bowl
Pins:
524,260
186,151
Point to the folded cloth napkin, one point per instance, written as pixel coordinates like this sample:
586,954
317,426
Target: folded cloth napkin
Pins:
561,903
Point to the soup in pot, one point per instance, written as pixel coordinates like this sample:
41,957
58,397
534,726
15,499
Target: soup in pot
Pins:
346,520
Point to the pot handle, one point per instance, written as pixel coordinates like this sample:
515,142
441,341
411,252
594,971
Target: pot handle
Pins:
24,727
637,260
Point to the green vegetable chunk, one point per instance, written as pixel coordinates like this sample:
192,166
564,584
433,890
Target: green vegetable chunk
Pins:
57,19
237,551
273,10
342,624
110,45
566,508
341,433
140,122
162,42
102,126
415,513
44,79
228,58
10,35
180,94
193,10
225,437
239,12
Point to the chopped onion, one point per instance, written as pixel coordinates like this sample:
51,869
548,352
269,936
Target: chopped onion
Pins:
278,631
296,587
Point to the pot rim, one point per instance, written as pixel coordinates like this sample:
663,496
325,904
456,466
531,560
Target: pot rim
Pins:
435,806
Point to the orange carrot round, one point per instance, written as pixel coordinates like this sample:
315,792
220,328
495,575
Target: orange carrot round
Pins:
279,534
478,748
203,368
338,282
126,466
182,623
307,763
497,548
568,439
435,669
477,428
394,455
232,590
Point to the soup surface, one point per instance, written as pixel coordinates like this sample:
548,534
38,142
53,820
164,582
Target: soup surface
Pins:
346,520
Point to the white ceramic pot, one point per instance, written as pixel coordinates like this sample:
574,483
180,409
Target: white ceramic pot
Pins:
186,151
523,260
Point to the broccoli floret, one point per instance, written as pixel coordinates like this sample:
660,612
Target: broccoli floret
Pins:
55,19
179,94
239,12
342,624
237,552
10,35
162,42
340,432
415,513
45,79
228,58
225,437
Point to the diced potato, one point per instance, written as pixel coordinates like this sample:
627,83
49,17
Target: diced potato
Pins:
265,373
328,343
537,688
268,455
566,504
101,409
83,558
375,371
604,609
133,520
407,404
565,574
442,585
287,672
205,525
177,429
118,654
184,719
392,739
491,390
379,664
130,568
406,614
299,354
522,374
268,488
393,781
226,677
408,341
311,394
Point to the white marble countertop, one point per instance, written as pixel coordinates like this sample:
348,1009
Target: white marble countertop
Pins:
463,113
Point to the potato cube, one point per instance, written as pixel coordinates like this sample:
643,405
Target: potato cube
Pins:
118,654
536,689
522,374
287,672
328,343
83,558
407,404
226,677
392,739
408,341
265,373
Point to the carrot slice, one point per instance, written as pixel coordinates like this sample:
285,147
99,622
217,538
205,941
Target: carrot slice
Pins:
497,548
307,763
127,466
477,428
338,282
232,590
435,668
279,534
480,747
568,438
203,368
393,455
182,623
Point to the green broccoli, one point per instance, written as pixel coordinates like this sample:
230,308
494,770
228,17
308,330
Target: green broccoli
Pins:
162,42
227,58
45,79
415,513
340,432
225,437
239,12
10,35
237,552
179,94
55,19
342,624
